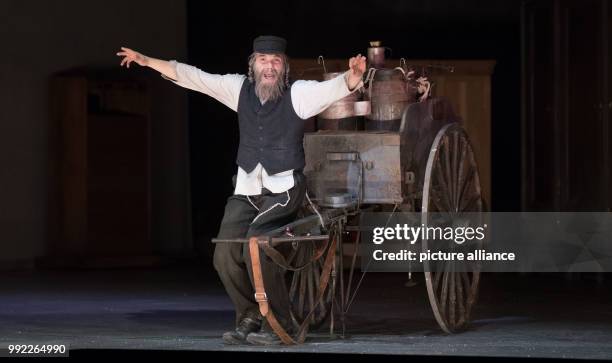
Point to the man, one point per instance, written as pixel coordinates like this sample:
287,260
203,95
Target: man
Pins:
270,186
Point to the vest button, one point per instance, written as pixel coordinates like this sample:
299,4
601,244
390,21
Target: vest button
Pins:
261,127
261,149
261,139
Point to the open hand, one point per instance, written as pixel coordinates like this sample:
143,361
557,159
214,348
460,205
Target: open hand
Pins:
132,56
357,65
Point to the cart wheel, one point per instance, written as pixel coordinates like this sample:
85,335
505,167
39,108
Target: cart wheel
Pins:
451,185
303,286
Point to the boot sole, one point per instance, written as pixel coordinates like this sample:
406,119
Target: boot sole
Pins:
256,341
232,340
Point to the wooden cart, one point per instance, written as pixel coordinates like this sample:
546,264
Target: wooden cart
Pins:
428,165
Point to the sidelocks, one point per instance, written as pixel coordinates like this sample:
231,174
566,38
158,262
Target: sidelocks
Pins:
409,154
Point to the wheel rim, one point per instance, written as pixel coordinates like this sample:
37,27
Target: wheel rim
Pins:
451,185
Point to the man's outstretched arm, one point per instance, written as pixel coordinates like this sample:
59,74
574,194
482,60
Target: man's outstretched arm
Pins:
224,88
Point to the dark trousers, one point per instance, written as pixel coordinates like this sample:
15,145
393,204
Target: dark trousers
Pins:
255,216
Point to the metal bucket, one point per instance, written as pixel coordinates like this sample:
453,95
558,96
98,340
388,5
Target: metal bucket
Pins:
344,107
389,93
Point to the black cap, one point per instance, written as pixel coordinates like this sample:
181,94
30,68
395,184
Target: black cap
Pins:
269,44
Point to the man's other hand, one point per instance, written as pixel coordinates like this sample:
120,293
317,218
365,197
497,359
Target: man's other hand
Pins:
357,67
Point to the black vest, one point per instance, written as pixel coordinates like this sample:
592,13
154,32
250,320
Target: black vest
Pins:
271,134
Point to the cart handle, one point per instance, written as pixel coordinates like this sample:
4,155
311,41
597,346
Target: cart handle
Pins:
274,240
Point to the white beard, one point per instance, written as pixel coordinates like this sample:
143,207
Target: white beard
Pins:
269,92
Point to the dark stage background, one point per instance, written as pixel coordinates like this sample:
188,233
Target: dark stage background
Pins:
219,41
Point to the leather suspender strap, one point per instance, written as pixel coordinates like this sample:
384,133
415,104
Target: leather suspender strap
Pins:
260,293
262,298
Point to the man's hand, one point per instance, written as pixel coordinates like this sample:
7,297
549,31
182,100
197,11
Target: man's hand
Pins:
132,56
357,66
162,66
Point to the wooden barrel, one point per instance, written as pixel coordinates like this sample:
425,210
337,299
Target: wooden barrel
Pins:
389,94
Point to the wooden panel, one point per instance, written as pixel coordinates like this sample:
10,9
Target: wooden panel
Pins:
470,96
100,161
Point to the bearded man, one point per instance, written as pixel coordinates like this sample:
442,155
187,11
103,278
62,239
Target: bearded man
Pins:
270,186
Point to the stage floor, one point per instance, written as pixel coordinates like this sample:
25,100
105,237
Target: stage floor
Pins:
187,309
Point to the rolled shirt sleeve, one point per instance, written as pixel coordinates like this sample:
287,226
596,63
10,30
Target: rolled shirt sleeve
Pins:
309,98
224,88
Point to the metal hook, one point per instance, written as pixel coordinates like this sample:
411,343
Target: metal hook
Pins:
321,60
370,75
369,79
401,70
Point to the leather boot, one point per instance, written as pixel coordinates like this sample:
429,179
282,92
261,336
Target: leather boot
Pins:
265,336
245,327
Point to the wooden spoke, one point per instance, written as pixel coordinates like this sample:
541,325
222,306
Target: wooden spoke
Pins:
455,167
452,297
461,172
437,280
444,191
461,302
302,292
465,186
311,289
447,172
436,199
317,278
471,203
444,293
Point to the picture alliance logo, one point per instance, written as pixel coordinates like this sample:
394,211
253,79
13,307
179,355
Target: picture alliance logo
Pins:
412,234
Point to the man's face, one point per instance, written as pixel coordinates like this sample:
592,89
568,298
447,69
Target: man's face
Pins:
268,68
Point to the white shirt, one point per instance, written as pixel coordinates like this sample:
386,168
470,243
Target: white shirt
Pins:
309,98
